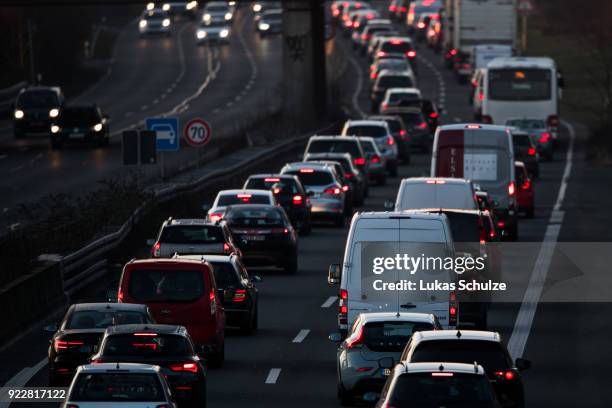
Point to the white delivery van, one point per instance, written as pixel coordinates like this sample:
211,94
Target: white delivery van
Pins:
376,236
484,155
520,87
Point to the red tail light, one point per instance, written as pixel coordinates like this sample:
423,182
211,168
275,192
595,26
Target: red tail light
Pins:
359,161
239,296
272,179
487,119
356,340
392,9
453,52
501,224
552,121
336,12
545,137
511,188
506,375
283,231
422,125
345,188
343,307
375,159
297,199
226,248
481,98
333,190
120,295
215,217
373,75
349,175
357,24
381,54
403,9
531,151
483,233
390,141
66,344
155,250
188,367
452,309
396,42
348,23
365,37
402,133
434,115
411,54
526,185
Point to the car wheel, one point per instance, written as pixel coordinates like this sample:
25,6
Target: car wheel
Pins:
216,360
345,397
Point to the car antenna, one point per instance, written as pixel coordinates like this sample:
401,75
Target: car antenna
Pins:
108,306
458,334
117,365
441,368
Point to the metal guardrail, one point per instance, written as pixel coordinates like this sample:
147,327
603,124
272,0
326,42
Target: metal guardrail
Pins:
89,263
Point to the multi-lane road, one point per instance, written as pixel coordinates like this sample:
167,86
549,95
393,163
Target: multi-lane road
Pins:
289,361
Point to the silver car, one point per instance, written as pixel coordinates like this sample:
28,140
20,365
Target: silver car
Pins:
374,339
379,130
324,187
376,161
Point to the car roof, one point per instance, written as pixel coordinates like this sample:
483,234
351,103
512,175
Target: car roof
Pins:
106,306
385,117
396,72
444,210
463,126
398,214
129,367
344,155
165,262
210,258
328,137
412,89
403,109
407,368
456,335
254,207
272,175
302,165
244,191
190,221
366,122
445,180
521,62
394,316
399,37
146,328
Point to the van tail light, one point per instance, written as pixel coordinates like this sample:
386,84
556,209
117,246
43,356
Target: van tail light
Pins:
283,231
61,345
487,119
333,190
343,307
507,375
452,309
239,296
526,185
531,151
359,161
189,367
375,159
297,199
227,248
120,295
215,217
511,188
545,137
356,340
411,54
390,140
552,121
374,75
156,250
403,133
422,125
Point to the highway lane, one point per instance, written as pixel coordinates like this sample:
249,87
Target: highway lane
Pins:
150,77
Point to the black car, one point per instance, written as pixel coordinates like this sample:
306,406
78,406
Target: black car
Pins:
84,123
290,194
419,132
427,107
81,329
264,234
238,292
525,150
167,346
36,109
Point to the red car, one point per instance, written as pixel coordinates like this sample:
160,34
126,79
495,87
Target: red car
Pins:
526,195
179,292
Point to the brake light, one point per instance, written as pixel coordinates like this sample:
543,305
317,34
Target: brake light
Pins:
239,296
336,12
411,54
365,37
511,188
422,125
421,25
145,334
483,233
215,217
473,127
189,367
373,75
531,151
375,159
481,96
348,23
306,170
65,344
552,121
392,8
155,250
434,115
359,161
356,340
381,54
545,137
297,199
245,198
436,181
452,309
345,188
403,9
402,133
526,185
487,119
390,141
343,307
357,24
332,190
226,248
501,224
453,52
438,374
506,375
272,180
120,295
396,42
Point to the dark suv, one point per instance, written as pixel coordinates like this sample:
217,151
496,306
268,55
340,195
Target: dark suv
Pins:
80,123
36,109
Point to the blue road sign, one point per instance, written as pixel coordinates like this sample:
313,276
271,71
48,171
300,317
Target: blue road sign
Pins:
167,132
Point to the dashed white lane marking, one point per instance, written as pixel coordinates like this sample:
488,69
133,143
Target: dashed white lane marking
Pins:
216,110
526,314
156,101
128,114
354,99
230,103
301,336
330,301
144,107
273,375
237,98
22,377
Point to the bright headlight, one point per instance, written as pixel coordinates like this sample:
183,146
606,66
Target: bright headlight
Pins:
191,5
53,113
223,33
206,17
264,26
55,129
257,7
150,5
97,127
18,114
166,7
201,34
143,23
228,16
166,22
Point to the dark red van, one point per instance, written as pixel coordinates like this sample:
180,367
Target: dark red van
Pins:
180,292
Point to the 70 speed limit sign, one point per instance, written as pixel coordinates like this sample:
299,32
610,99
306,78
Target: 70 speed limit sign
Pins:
197,132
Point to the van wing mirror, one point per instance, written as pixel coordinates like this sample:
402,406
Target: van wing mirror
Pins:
334,274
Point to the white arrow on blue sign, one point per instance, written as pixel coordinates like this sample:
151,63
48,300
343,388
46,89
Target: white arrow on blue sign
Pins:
167,132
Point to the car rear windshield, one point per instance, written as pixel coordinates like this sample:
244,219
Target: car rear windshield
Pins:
368,147
124,387
366,130
395,81
79,116
520,84
403,96
238,198
521,140
225,275
427,390
315,178
488,354
396,46
101,319
527,124
394,125
393,63
335,146
411,119
276,184
136,344
424,195
165,285
261,217
464,227
192,234
391,336
38,99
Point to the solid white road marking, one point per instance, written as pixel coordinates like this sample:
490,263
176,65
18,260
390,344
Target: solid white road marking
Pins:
330,301
354,99
526,314
273,375
144,107
301,336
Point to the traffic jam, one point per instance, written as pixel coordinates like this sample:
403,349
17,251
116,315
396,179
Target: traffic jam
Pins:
413,273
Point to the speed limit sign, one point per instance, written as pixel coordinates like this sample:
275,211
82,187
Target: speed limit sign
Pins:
197,132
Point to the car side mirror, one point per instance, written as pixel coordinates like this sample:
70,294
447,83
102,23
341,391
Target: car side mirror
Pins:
206,208
386,362
522,364
389,205
52,328
256,278
334,274
335,337
150,242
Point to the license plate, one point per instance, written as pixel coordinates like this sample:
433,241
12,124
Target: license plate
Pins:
385,372
77,135
254,237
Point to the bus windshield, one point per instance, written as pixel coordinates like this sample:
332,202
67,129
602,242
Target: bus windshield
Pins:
520,84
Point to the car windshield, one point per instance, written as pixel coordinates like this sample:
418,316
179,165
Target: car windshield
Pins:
391,336
314,178
335,146
146,344
226,275
119,387
242,198
428,390
101,319
257,217
79,116
366,130
488,354
166,285
38,99
192,234
520,84
527,124
395,81
278,185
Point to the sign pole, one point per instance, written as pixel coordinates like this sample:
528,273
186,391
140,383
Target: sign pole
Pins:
524,34
162,165
197,158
